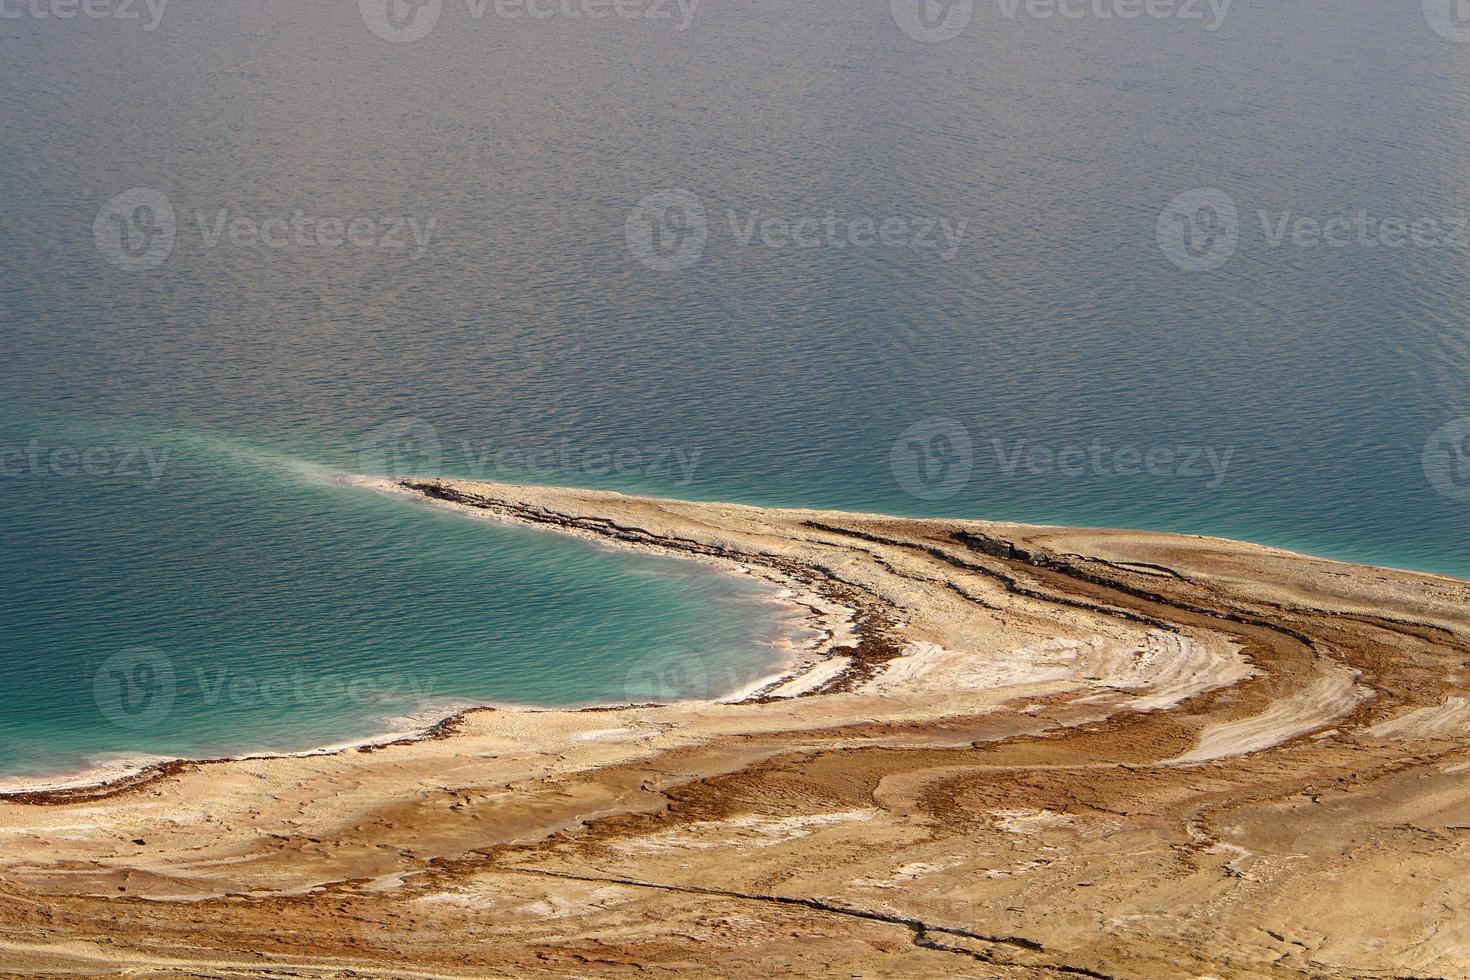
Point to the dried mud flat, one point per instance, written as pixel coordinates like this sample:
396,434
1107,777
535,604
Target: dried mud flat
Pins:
1024,752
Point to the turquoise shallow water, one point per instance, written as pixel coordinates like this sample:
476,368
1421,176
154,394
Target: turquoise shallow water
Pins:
1055,367
248,601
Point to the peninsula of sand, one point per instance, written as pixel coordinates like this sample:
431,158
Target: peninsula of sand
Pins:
1017,751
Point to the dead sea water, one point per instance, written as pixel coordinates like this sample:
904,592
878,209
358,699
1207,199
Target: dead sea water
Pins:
1197,275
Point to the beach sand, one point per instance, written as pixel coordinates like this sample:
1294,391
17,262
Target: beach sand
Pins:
1015,751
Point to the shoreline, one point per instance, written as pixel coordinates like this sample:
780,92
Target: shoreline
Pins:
803,613
1046,749
831,625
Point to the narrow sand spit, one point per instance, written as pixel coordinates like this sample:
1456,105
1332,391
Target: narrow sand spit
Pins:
1017,751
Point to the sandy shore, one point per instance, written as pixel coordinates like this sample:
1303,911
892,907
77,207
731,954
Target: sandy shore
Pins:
1013,751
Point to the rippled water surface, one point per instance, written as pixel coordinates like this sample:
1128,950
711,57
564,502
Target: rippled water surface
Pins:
1035,354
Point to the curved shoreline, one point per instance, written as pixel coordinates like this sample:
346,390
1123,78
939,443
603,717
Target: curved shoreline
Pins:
105,782
1046,749
125,775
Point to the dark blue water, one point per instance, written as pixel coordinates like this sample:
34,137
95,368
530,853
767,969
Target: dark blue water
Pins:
968,304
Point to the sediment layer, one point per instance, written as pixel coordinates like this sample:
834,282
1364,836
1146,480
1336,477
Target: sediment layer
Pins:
1021,752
